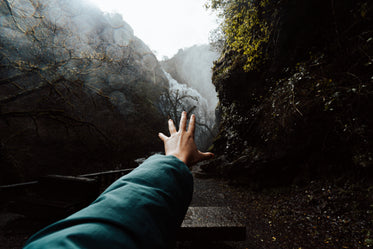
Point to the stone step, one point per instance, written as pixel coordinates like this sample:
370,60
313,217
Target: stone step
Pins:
212,224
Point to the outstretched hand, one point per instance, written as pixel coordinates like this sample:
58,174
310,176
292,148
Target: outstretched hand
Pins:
181,143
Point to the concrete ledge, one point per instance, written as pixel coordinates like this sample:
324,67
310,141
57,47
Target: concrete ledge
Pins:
212,224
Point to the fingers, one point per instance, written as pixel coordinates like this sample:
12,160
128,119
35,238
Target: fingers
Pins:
171,126
162,136
183,121
192,124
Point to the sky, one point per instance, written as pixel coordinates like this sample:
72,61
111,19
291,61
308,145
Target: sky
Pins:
165,25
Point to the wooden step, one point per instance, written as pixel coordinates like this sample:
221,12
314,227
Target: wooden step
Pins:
212,224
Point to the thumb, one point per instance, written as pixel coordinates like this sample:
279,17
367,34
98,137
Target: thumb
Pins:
205,155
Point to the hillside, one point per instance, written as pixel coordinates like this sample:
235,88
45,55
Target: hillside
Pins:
294,81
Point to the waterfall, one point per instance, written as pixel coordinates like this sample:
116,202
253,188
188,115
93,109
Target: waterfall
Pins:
180,97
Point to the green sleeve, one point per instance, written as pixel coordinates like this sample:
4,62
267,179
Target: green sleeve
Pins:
140,210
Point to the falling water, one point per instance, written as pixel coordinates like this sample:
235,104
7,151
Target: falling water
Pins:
181,97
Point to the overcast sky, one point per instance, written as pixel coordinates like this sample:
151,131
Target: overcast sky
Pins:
164,25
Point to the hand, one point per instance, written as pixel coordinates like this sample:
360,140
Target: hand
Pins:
181,143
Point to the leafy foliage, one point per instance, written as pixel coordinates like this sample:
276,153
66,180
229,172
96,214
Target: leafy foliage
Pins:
246,28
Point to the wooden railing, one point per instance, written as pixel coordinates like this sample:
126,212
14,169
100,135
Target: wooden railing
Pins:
104,179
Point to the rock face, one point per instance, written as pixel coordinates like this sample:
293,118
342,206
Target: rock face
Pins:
78,91
303,110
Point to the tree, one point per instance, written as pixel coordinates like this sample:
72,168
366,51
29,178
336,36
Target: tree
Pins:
246,28
174,101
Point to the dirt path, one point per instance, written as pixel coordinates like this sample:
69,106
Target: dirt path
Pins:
319,215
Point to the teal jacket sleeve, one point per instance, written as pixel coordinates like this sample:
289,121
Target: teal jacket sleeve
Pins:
140,210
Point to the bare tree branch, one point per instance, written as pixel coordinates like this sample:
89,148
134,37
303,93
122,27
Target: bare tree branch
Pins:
58,115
